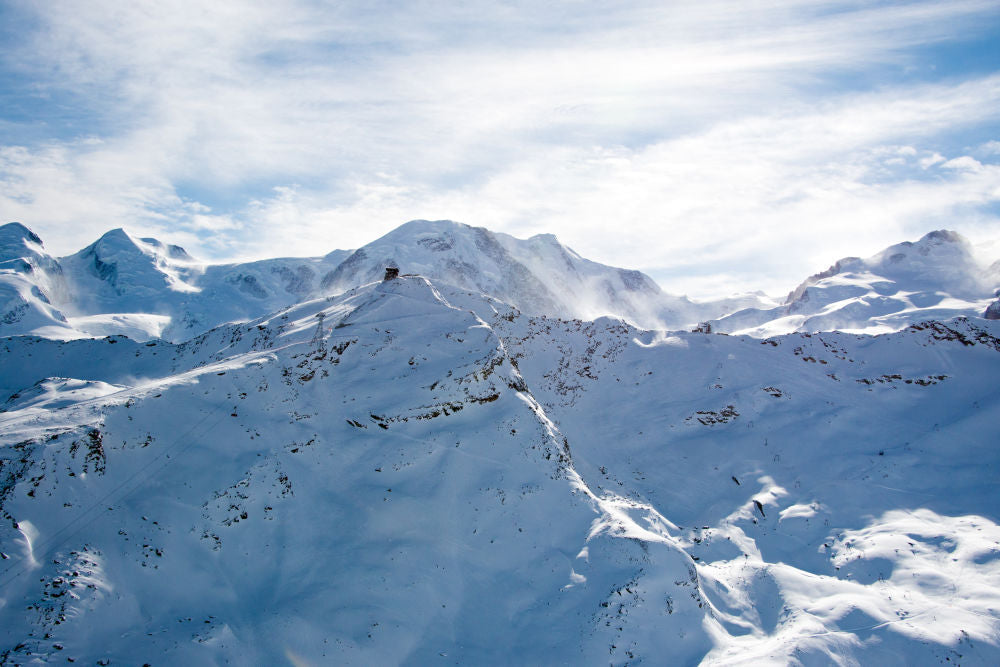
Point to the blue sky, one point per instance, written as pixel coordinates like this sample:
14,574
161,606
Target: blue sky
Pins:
719,147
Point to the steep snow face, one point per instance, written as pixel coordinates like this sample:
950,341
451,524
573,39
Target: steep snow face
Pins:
30,279
384,476
993,311
936,277
538,275
590,290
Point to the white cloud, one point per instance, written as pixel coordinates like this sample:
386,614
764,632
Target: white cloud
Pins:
991,148
964,163
668,138
931,160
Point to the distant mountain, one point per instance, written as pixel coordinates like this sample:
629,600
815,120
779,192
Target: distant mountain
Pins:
142,288
30,280
538,275
384,477
936,277
145,289
121,269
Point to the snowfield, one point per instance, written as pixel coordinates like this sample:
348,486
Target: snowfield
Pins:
413,472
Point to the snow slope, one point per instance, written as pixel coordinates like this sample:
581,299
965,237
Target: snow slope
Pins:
385,476
873,461
936,277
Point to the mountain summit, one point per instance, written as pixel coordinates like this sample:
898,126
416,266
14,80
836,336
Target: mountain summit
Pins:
120,270
16,240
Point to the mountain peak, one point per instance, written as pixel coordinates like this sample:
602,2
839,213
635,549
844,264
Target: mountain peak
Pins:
114,241
15,231
119,243
935,251
941,255
409,297
428,226
132,266
940,236
17,241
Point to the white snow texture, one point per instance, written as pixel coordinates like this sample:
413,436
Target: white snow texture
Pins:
295,462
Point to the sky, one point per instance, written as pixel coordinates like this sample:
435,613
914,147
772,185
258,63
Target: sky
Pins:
717,146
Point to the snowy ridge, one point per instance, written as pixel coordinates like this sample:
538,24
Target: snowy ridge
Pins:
386,476
935,278
28,276
140,287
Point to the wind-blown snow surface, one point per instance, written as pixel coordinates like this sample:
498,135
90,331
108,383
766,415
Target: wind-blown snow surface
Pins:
385,477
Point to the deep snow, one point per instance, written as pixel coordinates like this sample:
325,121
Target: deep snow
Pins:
387,477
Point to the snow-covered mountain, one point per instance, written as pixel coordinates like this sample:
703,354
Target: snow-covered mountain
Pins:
538,275
410,473
28,275
146,290
143,288
935,278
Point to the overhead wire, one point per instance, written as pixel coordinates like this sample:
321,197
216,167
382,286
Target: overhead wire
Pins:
77,524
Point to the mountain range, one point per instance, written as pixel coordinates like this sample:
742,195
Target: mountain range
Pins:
936,277
435,470
145,289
